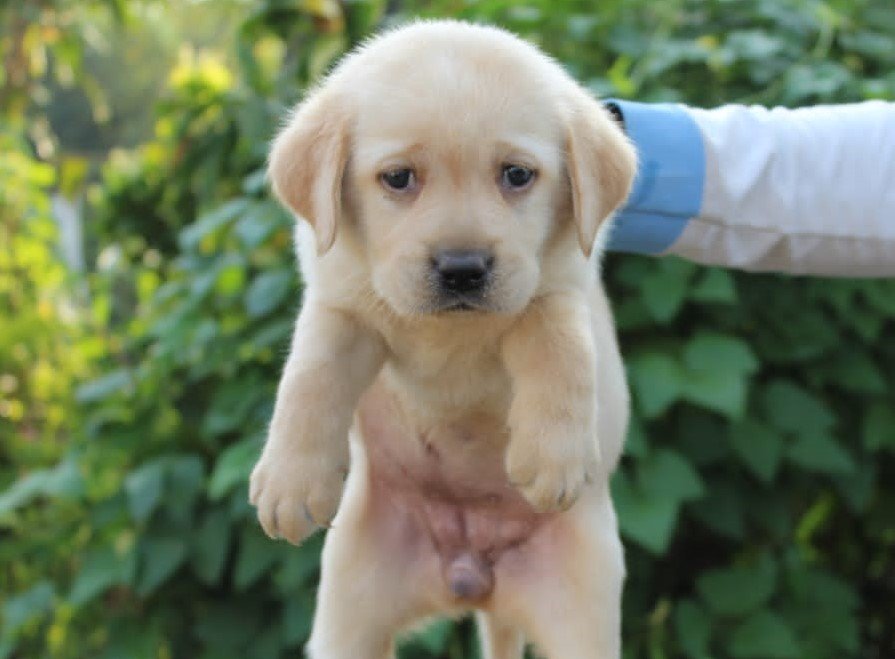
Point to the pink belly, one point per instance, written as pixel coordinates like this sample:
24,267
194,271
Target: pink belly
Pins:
443,493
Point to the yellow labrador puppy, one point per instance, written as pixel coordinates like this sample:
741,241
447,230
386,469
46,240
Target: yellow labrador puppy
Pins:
453,182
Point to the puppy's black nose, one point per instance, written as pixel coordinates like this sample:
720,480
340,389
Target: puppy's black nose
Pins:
462,270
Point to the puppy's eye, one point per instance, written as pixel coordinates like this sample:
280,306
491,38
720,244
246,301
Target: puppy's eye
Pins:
398,179
516,177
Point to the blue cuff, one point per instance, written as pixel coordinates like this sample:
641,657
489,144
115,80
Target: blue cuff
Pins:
668,188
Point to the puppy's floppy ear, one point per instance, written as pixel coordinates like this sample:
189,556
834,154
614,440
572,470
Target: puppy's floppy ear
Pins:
601,164
307,163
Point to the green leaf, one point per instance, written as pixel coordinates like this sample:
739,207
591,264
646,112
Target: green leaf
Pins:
770,513
664,289
435,636
100,569
19,609
701,437
274,334
879,427
693,627
718,368
757,45
233,467
234,400
105,386
881,295
297,615
860,487
710,352
226,627
758,447
231,277
636,444
790,408
722,509
715,286
64,480
301,565
665,474
210,222
736,591
160,558
764,635
267,291
210,545
132,640
631,314
658,381
853,369
202,283
823,612
820,452
647,519
185,478
816,587
260,222
257,553
720,391
144,488
255,182
268,644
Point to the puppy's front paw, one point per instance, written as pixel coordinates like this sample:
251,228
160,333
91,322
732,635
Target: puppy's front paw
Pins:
296,493
552,467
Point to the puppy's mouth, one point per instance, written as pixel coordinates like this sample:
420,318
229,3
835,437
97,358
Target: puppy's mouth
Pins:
460,305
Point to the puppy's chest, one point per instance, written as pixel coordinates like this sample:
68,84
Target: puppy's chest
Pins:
447,374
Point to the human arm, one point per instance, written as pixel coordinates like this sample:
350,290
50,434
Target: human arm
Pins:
808,191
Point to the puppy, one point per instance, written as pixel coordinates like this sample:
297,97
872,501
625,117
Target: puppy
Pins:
455,348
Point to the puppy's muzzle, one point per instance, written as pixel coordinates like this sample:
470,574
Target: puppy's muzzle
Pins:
462,276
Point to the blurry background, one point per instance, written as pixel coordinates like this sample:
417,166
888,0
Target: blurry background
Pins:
147,289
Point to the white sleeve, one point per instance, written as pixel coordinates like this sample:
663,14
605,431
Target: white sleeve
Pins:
809,191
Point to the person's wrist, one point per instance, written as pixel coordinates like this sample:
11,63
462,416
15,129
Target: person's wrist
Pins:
668,188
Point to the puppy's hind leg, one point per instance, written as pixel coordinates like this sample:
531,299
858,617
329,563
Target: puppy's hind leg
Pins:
569,607
499,640
362,601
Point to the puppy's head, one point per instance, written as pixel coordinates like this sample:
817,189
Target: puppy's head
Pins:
453,155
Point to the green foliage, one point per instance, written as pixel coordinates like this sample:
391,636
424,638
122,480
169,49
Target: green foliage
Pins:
755,496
